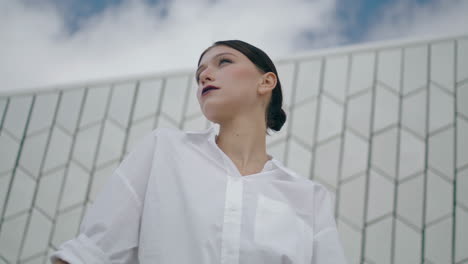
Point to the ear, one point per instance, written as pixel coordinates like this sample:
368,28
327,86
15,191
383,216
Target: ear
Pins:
267,83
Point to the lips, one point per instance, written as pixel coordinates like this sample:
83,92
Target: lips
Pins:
209,88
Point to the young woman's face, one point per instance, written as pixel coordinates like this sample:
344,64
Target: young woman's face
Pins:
237,79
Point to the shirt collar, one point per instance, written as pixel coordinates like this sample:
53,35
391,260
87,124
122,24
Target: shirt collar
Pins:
210,134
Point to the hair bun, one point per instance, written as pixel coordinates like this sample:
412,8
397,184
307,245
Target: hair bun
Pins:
277,119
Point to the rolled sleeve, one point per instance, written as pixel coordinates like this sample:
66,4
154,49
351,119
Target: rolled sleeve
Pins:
80,250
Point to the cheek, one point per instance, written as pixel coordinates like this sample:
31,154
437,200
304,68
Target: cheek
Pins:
242,79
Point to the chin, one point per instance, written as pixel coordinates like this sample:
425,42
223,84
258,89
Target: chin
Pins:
218,111
214,118
214,115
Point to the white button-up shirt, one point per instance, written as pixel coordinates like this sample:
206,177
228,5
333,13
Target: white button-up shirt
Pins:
178,198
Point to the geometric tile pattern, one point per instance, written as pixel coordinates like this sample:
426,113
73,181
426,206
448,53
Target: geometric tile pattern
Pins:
384,127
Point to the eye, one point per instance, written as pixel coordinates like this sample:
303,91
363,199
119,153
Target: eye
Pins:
224,60
221,60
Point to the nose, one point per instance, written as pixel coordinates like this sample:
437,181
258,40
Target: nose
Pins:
206,75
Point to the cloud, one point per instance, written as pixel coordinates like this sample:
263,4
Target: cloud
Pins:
135,37
405,18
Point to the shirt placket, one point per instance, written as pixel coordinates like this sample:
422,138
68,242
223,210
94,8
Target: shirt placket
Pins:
232,216
232,221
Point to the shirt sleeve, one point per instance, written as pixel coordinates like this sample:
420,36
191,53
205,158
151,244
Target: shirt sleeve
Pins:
109,231
327,247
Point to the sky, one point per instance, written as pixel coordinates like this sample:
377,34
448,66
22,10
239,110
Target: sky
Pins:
47,43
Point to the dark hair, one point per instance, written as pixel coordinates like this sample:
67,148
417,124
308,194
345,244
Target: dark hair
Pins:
274,115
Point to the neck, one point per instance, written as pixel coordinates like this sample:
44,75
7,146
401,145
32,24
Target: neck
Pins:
244,142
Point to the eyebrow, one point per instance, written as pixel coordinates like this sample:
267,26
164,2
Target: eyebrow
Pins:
220,54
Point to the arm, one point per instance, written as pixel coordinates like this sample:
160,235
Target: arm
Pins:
101,238
118,204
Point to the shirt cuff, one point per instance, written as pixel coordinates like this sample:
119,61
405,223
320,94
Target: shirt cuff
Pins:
80,250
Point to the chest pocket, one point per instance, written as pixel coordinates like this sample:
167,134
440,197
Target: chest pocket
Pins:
281,235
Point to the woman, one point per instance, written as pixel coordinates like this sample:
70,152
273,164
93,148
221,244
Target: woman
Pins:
212,196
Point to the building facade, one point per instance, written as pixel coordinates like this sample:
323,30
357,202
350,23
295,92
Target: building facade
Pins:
384,126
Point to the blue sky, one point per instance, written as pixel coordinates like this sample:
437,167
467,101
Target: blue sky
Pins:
358,14
49,42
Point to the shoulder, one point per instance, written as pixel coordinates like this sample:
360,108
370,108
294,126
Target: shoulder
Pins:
176,136
318,192
142,150
168,133
157,135
167,130
322,193
162,138
315,186
312,185
170,139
